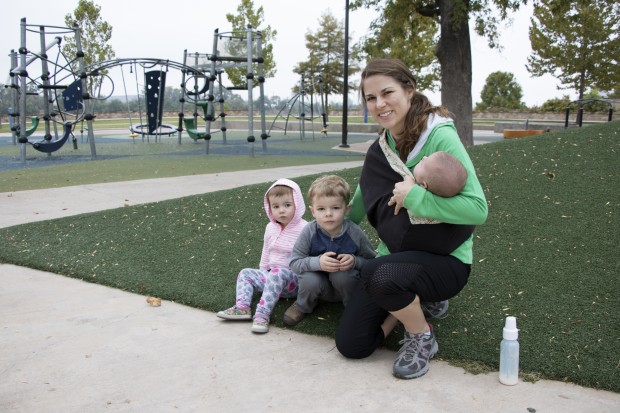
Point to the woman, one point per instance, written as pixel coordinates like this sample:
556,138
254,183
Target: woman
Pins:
425,253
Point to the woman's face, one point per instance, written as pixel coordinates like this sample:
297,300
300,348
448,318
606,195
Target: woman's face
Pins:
387,102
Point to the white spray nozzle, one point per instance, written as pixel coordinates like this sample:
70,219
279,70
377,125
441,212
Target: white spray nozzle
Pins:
511,332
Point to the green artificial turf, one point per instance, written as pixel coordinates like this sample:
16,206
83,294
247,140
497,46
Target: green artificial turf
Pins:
547,255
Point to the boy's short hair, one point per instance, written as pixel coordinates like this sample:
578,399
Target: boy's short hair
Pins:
279,191
330,185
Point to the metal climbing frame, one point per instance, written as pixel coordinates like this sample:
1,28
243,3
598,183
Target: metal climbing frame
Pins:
50,71
196,93
240,50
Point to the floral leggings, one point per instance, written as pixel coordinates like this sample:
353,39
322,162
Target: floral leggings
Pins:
274,283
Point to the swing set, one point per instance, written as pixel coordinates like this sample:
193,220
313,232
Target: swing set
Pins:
299,108
155,86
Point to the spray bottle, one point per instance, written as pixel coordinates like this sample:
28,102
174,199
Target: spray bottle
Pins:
509,353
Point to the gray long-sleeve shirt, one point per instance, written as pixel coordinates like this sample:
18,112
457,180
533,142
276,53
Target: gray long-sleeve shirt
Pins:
314,241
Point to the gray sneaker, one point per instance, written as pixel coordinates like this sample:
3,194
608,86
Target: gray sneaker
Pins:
437,309
415,354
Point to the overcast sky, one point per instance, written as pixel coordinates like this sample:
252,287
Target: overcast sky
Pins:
146,28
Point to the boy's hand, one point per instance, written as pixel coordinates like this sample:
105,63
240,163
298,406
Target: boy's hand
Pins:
347,262
329,263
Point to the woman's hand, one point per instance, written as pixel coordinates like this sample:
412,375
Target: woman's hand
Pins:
400,191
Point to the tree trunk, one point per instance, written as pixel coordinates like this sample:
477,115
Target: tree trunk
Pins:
454,54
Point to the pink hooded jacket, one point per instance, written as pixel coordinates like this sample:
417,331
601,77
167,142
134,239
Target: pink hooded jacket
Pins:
278,243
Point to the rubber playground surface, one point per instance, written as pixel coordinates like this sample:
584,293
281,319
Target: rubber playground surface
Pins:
117,144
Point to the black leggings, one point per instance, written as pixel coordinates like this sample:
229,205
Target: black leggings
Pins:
390,283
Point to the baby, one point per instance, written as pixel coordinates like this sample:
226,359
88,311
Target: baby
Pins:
441,174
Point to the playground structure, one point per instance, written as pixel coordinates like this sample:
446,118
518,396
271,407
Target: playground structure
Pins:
298,108
230,50
60,101
198,95
68,101
238,50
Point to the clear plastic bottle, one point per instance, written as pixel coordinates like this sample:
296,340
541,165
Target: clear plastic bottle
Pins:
509,353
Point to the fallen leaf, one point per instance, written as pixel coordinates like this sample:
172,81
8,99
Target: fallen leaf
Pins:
153,301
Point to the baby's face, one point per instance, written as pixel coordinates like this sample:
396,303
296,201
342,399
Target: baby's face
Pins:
422,170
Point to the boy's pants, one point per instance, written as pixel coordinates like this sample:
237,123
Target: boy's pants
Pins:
326,286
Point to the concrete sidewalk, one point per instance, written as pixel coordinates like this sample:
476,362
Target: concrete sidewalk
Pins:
72,346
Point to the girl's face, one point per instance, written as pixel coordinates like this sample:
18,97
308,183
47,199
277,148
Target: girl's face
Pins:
282,208
387,102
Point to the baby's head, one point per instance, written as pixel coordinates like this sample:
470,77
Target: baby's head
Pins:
441,174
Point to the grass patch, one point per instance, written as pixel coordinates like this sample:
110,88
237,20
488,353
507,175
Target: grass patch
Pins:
547,255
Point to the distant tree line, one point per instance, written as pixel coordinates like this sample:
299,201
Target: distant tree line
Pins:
501,93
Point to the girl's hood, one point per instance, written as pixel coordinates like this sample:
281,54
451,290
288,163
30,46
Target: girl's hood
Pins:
298,198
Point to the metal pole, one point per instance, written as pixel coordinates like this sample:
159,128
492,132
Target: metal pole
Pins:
85,91
212,78
261,80
23,76
345,93
250,84
182,100
15,87
46,82
221,102
302,108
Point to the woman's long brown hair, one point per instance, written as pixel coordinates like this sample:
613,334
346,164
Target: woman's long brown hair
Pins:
417,116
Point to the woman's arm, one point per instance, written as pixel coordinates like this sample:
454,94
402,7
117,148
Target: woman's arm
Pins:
469,207
357,212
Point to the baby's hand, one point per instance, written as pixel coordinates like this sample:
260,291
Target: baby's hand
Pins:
347,262
329,263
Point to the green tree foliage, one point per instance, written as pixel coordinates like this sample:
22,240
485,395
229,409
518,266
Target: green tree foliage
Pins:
576,41
246,15
555,105
36,102
595,102
95,35
6,99
410,37
453,46
325,58
501,91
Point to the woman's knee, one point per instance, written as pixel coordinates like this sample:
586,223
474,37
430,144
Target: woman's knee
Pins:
353,347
